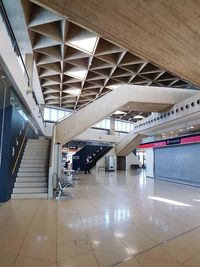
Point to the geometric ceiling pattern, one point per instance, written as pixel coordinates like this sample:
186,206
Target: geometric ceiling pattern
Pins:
76,66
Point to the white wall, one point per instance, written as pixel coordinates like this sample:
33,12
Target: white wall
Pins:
131,159
11,61
150,162
102,161
48,129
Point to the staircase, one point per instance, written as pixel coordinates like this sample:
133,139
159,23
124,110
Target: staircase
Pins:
94,151
31,181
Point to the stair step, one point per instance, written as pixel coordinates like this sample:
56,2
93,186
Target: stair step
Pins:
39,152
36,149
35,195
27,160
30,190
34,165
35,174
32,169
33,157
38,142
31,179
30,184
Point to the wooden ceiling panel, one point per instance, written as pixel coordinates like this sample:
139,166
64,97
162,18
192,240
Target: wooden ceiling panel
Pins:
84,55
164,32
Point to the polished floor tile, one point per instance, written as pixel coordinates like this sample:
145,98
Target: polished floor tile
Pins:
115,219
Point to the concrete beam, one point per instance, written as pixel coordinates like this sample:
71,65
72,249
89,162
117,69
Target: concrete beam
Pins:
182,115
128,144
70,127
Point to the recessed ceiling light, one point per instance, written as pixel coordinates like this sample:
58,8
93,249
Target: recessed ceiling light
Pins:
191,127
171,132
79,74
118,112
138,117
112,87
180,130
74,92
88,44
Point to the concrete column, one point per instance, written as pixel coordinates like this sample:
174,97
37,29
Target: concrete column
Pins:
29,68
112,126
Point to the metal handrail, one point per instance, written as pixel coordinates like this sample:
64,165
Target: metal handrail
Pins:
17,50
12,37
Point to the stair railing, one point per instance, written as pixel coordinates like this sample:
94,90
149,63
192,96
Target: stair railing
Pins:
96,158
54,164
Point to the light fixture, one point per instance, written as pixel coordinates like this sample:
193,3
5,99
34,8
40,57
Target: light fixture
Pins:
88,43
112,87
138,117
79,74
119,112
74,92
171,132
180,130
169,201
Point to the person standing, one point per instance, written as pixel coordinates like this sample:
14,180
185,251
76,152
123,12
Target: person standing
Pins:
87,165
67,164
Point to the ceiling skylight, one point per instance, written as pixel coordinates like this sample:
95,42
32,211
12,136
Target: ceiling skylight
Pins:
113,86
118,112
138,117
79,74
74,92
88,44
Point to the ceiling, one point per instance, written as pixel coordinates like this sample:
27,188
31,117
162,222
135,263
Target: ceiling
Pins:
77,66
164,32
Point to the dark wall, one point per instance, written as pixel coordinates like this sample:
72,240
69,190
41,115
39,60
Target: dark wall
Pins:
5,153
178,163
79,159
15,133
121,163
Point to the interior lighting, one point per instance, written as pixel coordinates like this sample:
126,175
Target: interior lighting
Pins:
79,74
112,87
180,130
119,112
138,117
75,92
88,44
169,201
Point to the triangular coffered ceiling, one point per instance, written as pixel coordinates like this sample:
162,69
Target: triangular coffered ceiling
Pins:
76,66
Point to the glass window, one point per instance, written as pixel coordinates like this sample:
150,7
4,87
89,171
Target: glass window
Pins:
46,114
61,114
54,115
123,126
104,124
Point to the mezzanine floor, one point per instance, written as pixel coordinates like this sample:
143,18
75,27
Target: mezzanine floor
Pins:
111,221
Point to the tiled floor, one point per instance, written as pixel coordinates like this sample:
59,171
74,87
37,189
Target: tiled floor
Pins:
111,221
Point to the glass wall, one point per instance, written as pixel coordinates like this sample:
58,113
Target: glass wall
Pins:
16,126
104,124
123,126
54,114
